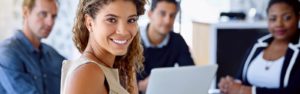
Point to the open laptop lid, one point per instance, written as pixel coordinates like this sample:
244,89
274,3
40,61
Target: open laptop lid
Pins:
181,80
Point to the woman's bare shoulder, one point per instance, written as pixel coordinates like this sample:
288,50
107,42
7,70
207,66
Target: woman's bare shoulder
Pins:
87,79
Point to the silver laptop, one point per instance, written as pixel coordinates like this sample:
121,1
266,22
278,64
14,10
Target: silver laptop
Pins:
181,80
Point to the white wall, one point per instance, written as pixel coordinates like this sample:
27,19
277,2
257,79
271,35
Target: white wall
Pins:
10,17
201,11
246,5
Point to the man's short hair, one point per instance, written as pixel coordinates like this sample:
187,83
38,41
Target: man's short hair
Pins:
155,2
29,4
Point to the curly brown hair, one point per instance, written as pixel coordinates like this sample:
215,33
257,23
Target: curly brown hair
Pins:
128,64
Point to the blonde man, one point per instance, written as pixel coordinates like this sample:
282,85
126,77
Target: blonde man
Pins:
28,66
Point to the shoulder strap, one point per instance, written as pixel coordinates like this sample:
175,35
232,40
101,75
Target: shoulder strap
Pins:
112,78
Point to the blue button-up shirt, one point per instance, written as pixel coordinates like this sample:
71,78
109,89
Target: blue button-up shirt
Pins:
27,70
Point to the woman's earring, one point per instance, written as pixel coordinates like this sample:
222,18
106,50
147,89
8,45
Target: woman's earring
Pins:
90,30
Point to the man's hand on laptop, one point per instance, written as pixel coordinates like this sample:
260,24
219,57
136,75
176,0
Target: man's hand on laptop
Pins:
143,84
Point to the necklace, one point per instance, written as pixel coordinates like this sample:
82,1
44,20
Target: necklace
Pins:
269,64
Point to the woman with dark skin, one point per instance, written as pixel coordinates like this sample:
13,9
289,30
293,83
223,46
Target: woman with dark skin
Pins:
272,66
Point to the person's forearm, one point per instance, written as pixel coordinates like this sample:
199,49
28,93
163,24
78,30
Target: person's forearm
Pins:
245,89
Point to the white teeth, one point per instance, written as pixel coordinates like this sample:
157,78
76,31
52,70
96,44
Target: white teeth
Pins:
120,41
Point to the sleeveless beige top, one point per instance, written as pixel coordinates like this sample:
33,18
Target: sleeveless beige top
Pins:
111,75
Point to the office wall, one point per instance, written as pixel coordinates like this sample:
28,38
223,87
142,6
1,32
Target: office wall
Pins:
10,17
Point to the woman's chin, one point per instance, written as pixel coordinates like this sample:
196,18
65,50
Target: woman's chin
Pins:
277,36
120,53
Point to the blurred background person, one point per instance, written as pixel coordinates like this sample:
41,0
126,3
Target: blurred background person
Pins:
27,65
273,65
162,46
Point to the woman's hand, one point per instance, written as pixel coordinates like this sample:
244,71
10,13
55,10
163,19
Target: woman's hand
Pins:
228,85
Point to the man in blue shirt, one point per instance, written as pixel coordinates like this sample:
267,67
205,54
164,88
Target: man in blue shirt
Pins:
28,66
162,47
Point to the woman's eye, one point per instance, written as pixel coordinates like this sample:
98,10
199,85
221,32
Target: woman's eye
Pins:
112,20
132,20
286,18
272,19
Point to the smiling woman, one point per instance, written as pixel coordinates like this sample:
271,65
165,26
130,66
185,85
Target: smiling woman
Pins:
272,66
106,33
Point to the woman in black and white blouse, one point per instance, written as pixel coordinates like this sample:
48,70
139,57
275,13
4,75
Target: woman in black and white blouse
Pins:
273,64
